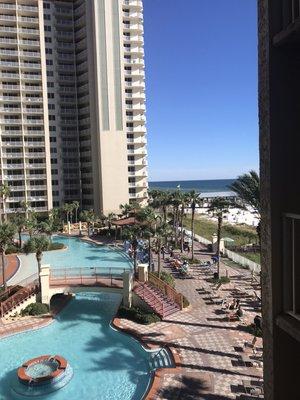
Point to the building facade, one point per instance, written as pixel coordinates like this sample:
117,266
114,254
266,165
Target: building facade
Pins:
279,109
72,103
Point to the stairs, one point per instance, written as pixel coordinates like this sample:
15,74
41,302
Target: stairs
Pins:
161,359
155,299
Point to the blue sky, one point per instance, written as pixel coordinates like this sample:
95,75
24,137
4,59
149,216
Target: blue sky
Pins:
201,77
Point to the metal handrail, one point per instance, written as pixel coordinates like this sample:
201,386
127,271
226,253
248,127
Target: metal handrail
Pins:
166,289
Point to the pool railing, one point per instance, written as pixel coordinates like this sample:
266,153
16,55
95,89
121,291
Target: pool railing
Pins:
93,276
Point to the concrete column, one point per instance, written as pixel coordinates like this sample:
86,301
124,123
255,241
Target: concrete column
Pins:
80,228
127,288
215,243
69,228
45,284
143,272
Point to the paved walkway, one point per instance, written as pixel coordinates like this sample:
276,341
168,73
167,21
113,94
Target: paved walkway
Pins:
211,349
12,265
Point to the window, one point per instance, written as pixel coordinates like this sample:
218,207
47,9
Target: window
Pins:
47,28
48,51
50,84
46,6
49,62
291,259
50,95
47,17
51,106
48,39
51,117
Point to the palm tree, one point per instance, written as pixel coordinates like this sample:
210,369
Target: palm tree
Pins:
37,245
133,233
219,207
7,233
89,217
19,221
109,219
68,209
194,200
126,209
184,203
4,193
48,228
160,199
247,187
162,233
25,205
175,200
76,207
31,225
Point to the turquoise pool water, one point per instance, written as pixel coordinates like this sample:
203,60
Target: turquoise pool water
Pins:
107,364
80,254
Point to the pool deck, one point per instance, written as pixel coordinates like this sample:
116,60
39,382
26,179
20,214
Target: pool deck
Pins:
212,362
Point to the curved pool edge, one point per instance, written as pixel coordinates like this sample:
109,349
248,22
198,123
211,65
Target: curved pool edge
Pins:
34,323
157,375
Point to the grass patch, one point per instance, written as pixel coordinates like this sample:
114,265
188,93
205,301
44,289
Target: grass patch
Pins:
138,315
255,257
240,234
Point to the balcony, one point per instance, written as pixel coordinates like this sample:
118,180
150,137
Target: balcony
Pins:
11,121
290,29
7,17
10,110
10,98
32,88
6,6
9,87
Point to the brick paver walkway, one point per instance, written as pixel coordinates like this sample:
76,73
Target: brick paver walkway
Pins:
211,349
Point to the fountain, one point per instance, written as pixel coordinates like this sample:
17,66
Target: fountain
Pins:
42,375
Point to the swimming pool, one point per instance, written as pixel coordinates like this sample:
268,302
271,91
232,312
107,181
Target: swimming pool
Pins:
107,364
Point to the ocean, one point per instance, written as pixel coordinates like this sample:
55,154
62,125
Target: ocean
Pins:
202,186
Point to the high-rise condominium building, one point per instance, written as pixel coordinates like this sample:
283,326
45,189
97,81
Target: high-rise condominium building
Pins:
72,103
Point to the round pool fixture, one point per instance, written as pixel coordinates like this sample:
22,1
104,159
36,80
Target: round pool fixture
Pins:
42,375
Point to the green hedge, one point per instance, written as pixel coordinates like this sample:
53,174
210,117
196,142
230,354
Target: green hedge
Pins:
138,315
12,249
35,309
166,277
56,246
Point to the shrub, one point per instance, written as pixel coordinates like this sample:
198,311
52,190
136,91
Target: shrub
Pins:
56,246
35,309
222,280
138,315
166,277
254,330
11,249
185,302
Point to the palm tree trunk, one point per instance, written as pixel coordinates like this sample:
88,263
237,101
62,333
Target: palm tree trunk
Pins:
20,239
149,253
220,220
181,228
3,271
192,229
158,258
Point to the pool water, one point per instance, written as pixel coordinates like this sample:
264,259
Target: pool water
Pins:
107,364
81,254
